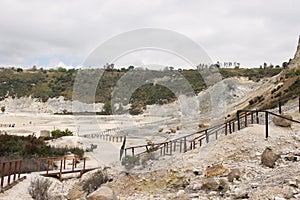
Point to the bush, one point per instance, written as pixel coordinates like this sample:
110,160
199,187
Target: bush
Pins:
130,161
38,188
95,181
58,133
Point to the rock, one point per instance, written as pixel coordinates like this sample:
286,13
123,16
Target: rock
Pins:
297,196
173,130
241,194
215,170
201,125
210,184
234,174
268,157
180,193
102,193
75,192
279,198
223,185
178,180
161,130
196,187
278,121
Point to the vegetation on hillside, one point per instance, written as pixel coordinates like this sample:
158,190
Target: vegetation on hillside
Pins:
45,84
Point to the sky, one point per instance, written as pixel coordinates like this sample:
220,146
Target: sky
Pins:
52,33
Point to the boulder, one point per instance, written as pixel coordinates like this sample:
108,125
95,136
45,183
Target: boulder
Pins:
268,157
210,184
75,192
234,174
215,170
278,121
102,193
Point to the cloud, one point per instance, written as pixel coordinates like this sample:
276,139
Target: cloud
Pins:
251,31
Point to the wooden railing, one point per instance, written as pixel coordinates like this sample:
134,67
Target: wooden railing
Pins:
105,137
62,168
8,169
189,142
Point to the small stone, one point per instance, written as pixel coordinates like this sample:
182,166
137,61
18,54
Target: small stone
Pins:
279,198
268,158
180,192
223,185
215,170
103,193
241,194
196,187
254,185
210,184
234,174
297,196
293,183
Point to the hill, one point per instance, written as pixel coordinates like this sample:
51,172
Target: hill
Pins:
44,84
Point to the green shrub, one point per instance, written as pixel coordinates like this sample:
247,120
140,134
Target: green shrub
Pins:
58,133
130,161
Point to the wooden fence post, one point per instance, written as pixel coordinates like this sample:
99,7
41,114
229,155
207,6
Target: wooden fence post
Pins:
20,169
238,120
73,162
174,145
9,173
185,149
15,170
267,124
299,103
60,171
2,175
279,107
65,162
84,163
180,147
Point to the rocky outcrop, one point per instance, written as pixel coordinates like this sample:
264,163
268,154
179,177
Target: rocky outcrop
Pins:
295,62
102,193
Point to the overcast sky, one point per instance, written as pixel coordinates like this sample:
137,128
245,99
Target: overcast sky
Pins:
49,33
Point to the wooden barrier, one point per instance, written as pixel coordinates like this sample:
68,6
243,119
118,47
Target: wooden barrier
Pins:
62,166
13,168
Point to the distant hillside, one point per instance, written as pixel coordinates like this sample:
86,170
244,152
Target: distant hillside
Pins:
45,84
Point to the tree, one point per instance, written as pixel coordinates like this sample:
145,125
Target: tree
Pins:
19,69
284,65
3,109
107,108
131,67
